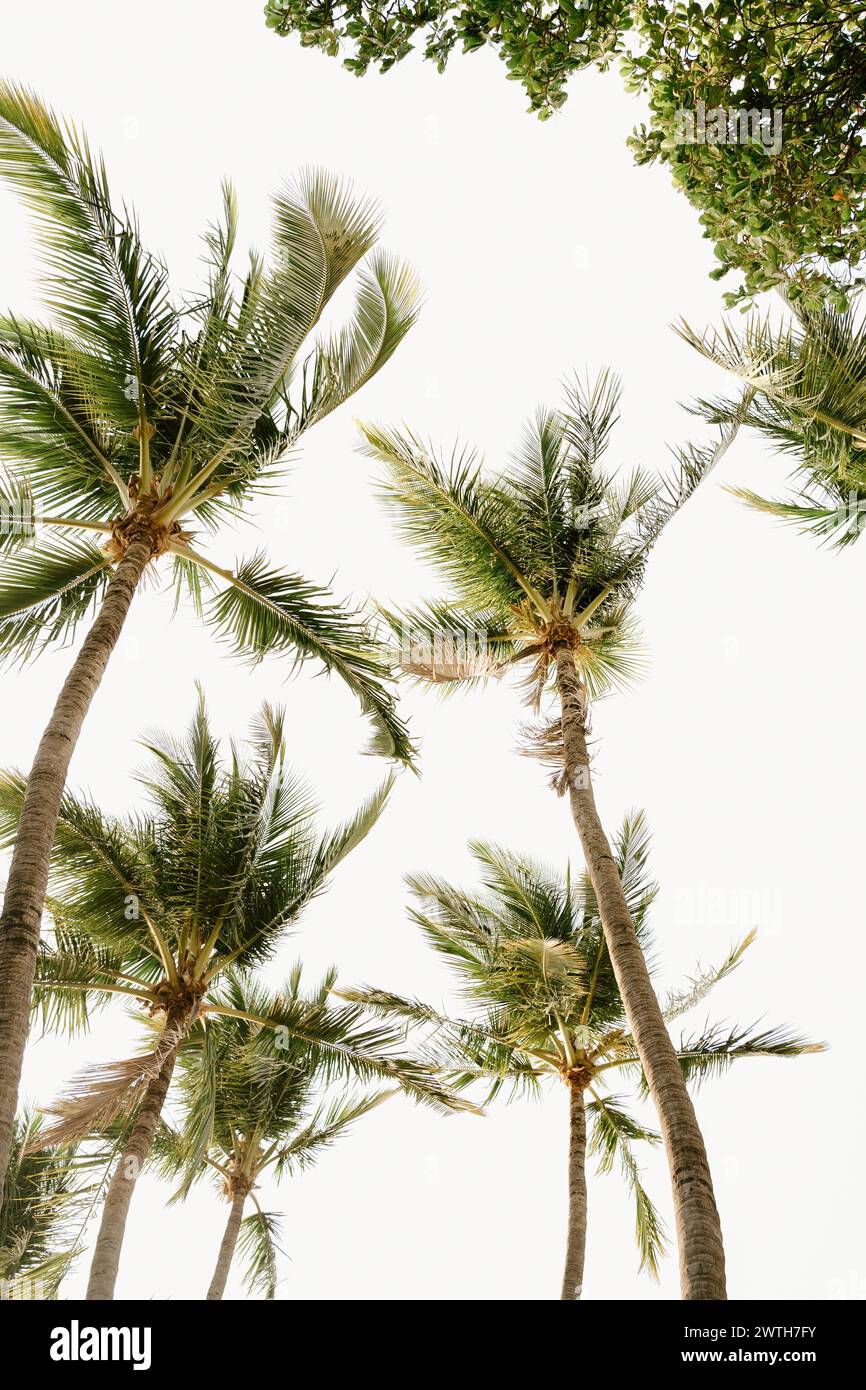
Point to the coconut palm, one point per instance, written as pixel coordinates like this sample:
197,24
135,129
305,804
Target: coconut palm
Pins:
809,383
543,565
38,1218
155,908
256,1105
531,960
134,421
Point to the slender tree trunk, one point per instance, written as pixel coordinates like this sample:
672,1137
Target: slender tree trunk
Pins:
227,1249
699,1235
21,921
112,1227
575,1251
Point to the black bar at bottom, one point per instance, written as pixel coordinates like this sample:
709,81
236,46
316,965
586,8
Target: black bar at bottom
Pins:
65,1339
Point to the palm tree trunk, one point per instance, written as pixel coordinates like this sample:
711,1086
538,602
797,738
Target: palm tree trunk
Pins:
699,1235
112,1227
575,1251
21,921
227,1249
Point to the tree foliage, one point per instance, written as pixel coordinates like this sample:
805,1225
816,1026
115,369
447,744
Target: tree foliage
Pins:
159,908
43,1203
796,213
807,380
139,412
551,550
529,958
792,217
251,1110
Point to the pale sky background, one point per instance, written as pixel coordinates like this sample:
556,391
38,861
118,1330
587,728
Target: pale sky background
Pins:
541,249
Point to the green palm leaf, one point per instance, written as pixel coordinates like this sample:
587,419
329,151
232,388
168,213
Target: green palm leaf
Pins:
45,594
467,529
613,1133
41,1203
59,421
330,1123
698,987
387,307
258,1247
100,282
265,610
712,1051
807,379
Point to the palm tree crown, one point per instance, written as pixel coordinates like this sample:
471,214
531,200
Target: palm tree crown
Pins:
543,565
138,414
42,1203
158,908
549,553
531,961
253,1108
808,382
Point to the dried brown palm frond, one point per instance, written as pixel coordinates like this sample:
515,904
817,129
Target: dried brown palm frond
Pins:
542,740
531,683
99,1095
454,668
446,658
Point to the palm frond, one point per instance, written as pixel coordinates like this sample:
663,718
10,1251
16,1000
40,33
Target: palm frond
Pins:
342,1044
712,1051
326,1126
694,464
589,413
43,1198
699,985
100,1095
45,593
438,644
321,230
101,283
838,524
101,891
467,528
58,421
257,1247
339,843
17,514
807,381
76,976
263,611
387,307
613,1133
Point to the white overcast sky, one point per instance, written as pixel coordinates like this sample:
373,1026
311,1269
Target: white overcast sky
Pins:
541,249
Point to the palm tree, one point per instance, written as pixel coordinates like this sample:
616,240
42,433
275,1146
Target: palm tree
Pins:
155,908
253,1108
531,959
808,378
38,1236
543,565
135,419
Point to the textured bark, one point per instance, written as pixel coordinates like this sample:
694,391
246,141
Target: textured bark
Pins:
699,1235
575,1251
21,921
112,1227
227,1249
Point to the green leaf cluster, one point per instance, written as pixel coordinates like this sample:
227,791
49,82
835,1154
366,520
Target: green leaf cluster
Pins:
796,215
